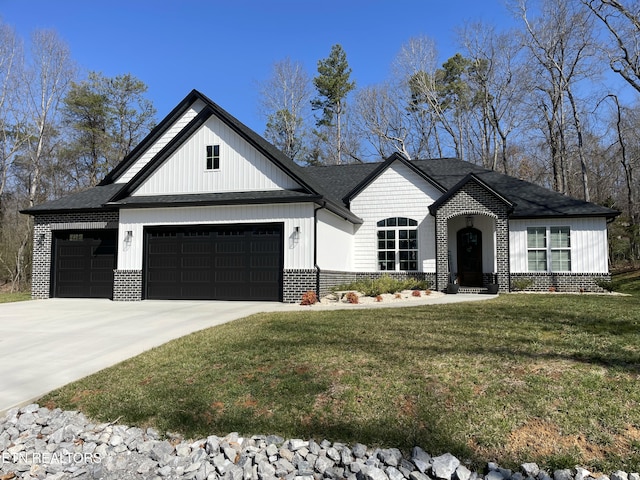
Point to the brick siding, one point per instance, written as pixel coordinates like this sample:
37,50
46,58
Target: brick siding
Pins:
297,282
127,285
561,282
473,199
43,226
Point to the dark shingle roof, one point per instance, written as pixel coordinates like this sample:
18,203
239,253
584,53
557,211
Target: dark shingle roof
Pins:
331,186
529,200
93,199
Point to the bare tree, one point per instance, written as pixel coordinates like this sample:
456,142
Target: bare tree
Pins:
12,134
495,77
384,120
560,41
622,19
285,98
414,72
47,81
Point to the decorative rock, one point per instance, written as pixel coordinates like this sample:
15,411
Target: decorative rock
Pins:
564,474
494,475
619,475
390,456
530,469
463,473
359,450
113,452
418,476
444,466
582,474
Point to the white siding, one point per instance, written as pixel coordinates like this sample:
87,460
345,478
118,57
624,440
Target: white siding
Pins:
397,192
297,254
242,167
335,242
589,247
161,142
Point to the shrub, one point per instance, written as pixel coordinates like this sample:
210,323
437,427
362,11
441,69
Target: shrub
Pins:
607,285
309,298
416,293
378,298
372,287
427,292
352,297
521,283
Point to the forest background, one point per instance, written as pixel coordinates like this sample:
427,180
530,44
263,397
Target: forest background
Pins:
552,100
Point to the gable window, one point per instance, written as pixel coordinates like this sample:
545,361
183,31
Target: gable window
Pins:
549,249
213,157
398,244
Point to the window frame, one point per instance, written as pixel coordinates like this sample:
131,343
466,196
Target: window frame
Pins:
397,244
212,158
549,253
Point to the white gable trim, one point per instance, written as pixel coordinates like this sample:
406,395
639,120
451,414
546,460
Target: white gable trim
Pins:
242,167
164,139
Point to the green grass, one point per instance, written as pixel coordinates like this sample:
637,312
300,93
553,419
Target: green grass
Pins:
6,297
627,282
552,379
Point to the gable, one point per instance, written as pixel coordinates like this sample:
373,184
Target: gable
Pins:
162,140
396,185
242,166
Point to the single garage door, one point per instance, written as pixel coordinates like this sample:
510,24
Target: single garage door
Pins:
83,263
239,262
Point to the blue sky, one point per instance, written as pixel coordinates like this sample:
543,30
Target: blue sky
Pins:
225,48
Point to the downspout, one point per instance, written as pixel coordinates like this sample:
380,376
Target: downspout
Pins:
315,245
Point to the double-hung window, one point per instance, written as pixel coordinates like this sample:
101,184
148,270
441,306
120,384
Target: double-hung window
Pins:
398,244
213,157
549,249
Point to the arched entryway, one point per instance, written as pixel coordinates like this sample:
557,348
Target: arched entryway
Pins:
469,257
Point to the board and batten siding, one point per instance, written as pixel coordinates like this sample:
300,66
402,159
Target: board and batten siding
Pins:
171,132
397,192
242,167
589,244
335,242
297,254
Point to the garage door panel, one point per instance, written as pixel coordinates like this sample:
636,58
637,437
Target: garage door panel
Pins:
84,263
196,276
215,262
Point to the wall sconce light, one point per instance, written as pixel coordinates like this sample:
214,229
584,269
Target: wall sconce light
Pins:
296,233
469,221
40,240
128,236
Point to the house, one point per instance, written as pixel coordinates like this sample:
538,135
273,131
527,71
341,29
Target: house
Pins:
205,208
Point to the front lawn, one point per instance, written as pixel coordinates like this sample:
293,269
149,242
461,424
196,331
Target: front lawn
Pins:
548,378
6,297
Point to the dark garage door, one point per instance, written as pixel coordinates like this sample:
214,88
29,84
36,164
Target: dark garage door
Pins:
83,263
240,262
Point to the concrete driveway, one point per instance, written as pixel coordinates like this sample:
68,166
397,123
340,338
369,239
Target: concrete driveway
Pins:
45,344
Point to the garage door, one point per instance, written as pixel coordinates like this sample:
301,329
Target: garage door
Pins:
240,262
83,263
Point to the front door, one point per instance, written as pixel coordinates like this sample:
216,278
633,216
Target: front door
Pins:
470,257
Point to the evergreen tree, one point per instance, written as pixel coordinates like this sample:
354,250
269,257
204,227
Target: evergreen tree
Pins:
107,118
333,86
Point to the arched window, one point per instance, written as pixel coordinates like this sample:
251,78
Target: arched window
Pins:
398,244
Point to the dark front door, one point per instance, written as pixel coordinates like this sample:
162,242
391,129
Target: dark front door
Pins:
83,263
236,262
470,257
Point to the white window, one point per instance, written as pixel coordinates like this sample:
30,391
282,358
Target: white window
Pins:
549,249
398,244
